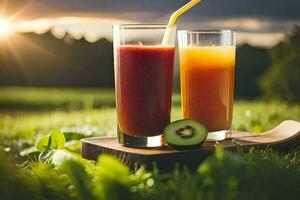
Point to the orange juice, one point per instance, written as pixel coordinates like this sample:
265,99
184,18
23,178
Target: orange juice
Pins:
207,85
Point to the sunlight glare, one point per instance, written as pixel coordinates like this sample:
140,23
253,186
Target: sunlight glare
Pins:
5,27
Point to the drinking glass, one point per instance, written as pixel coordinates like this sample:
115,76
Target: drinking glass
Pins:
207,68
144,66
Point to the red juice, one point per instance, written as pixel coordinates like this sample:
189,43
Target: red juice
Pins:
144,79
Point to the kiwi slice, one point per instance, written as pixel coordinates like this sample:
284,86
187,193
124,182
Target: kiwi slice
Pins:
185,134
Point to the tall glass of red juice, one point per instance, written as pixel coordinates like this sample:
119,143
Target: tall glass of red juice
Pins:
207,63
143,82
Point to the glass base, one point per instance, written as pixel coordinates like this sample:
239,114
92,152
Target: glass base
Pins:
218,135
140,142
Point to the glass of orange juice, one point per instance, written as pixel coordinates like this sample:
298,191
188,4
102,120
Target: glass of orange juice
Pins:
207,65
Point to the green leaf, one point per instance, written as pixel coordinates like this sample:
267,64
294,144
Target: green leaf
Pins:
54,141
42,143
57,140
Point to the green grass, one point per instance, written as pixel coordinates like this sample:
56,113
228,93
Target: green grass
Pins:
253,116
20,98
27,114
51,98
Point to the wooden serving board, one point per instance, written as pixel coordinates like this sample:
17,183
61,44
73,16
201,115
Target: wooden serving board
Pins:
285,135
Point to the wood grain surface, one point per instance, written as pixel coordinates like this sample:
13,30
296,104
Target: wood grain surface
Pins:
284,136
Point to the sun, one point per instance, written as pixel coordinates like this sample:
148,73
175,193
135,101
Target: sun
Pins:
5,27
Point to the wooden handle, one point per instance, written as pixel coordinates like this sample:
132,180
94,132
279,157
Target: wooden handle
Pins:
285,131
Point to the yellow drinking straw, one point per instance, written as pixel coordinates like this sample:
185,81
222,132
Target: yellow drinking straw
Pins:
177,14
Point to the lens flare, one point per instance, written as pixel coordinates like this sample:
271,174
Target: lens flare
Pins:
5,27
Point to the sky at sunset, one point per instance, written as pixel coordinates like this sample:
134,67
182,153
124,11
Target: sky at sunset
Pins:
258,22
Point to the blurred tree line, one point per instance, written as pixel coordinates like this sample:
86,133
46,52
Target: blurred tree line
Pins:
282,78
29,59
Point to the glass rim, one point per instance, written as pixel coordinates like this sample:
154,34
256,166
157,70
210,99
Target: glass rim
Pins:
214,31
144,26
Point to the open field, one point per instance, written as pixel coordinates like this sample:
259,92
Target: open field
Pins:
27,114
20,98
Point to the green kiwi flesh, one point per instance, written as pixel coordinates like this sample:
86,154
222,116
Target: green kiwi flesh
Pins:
185,134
